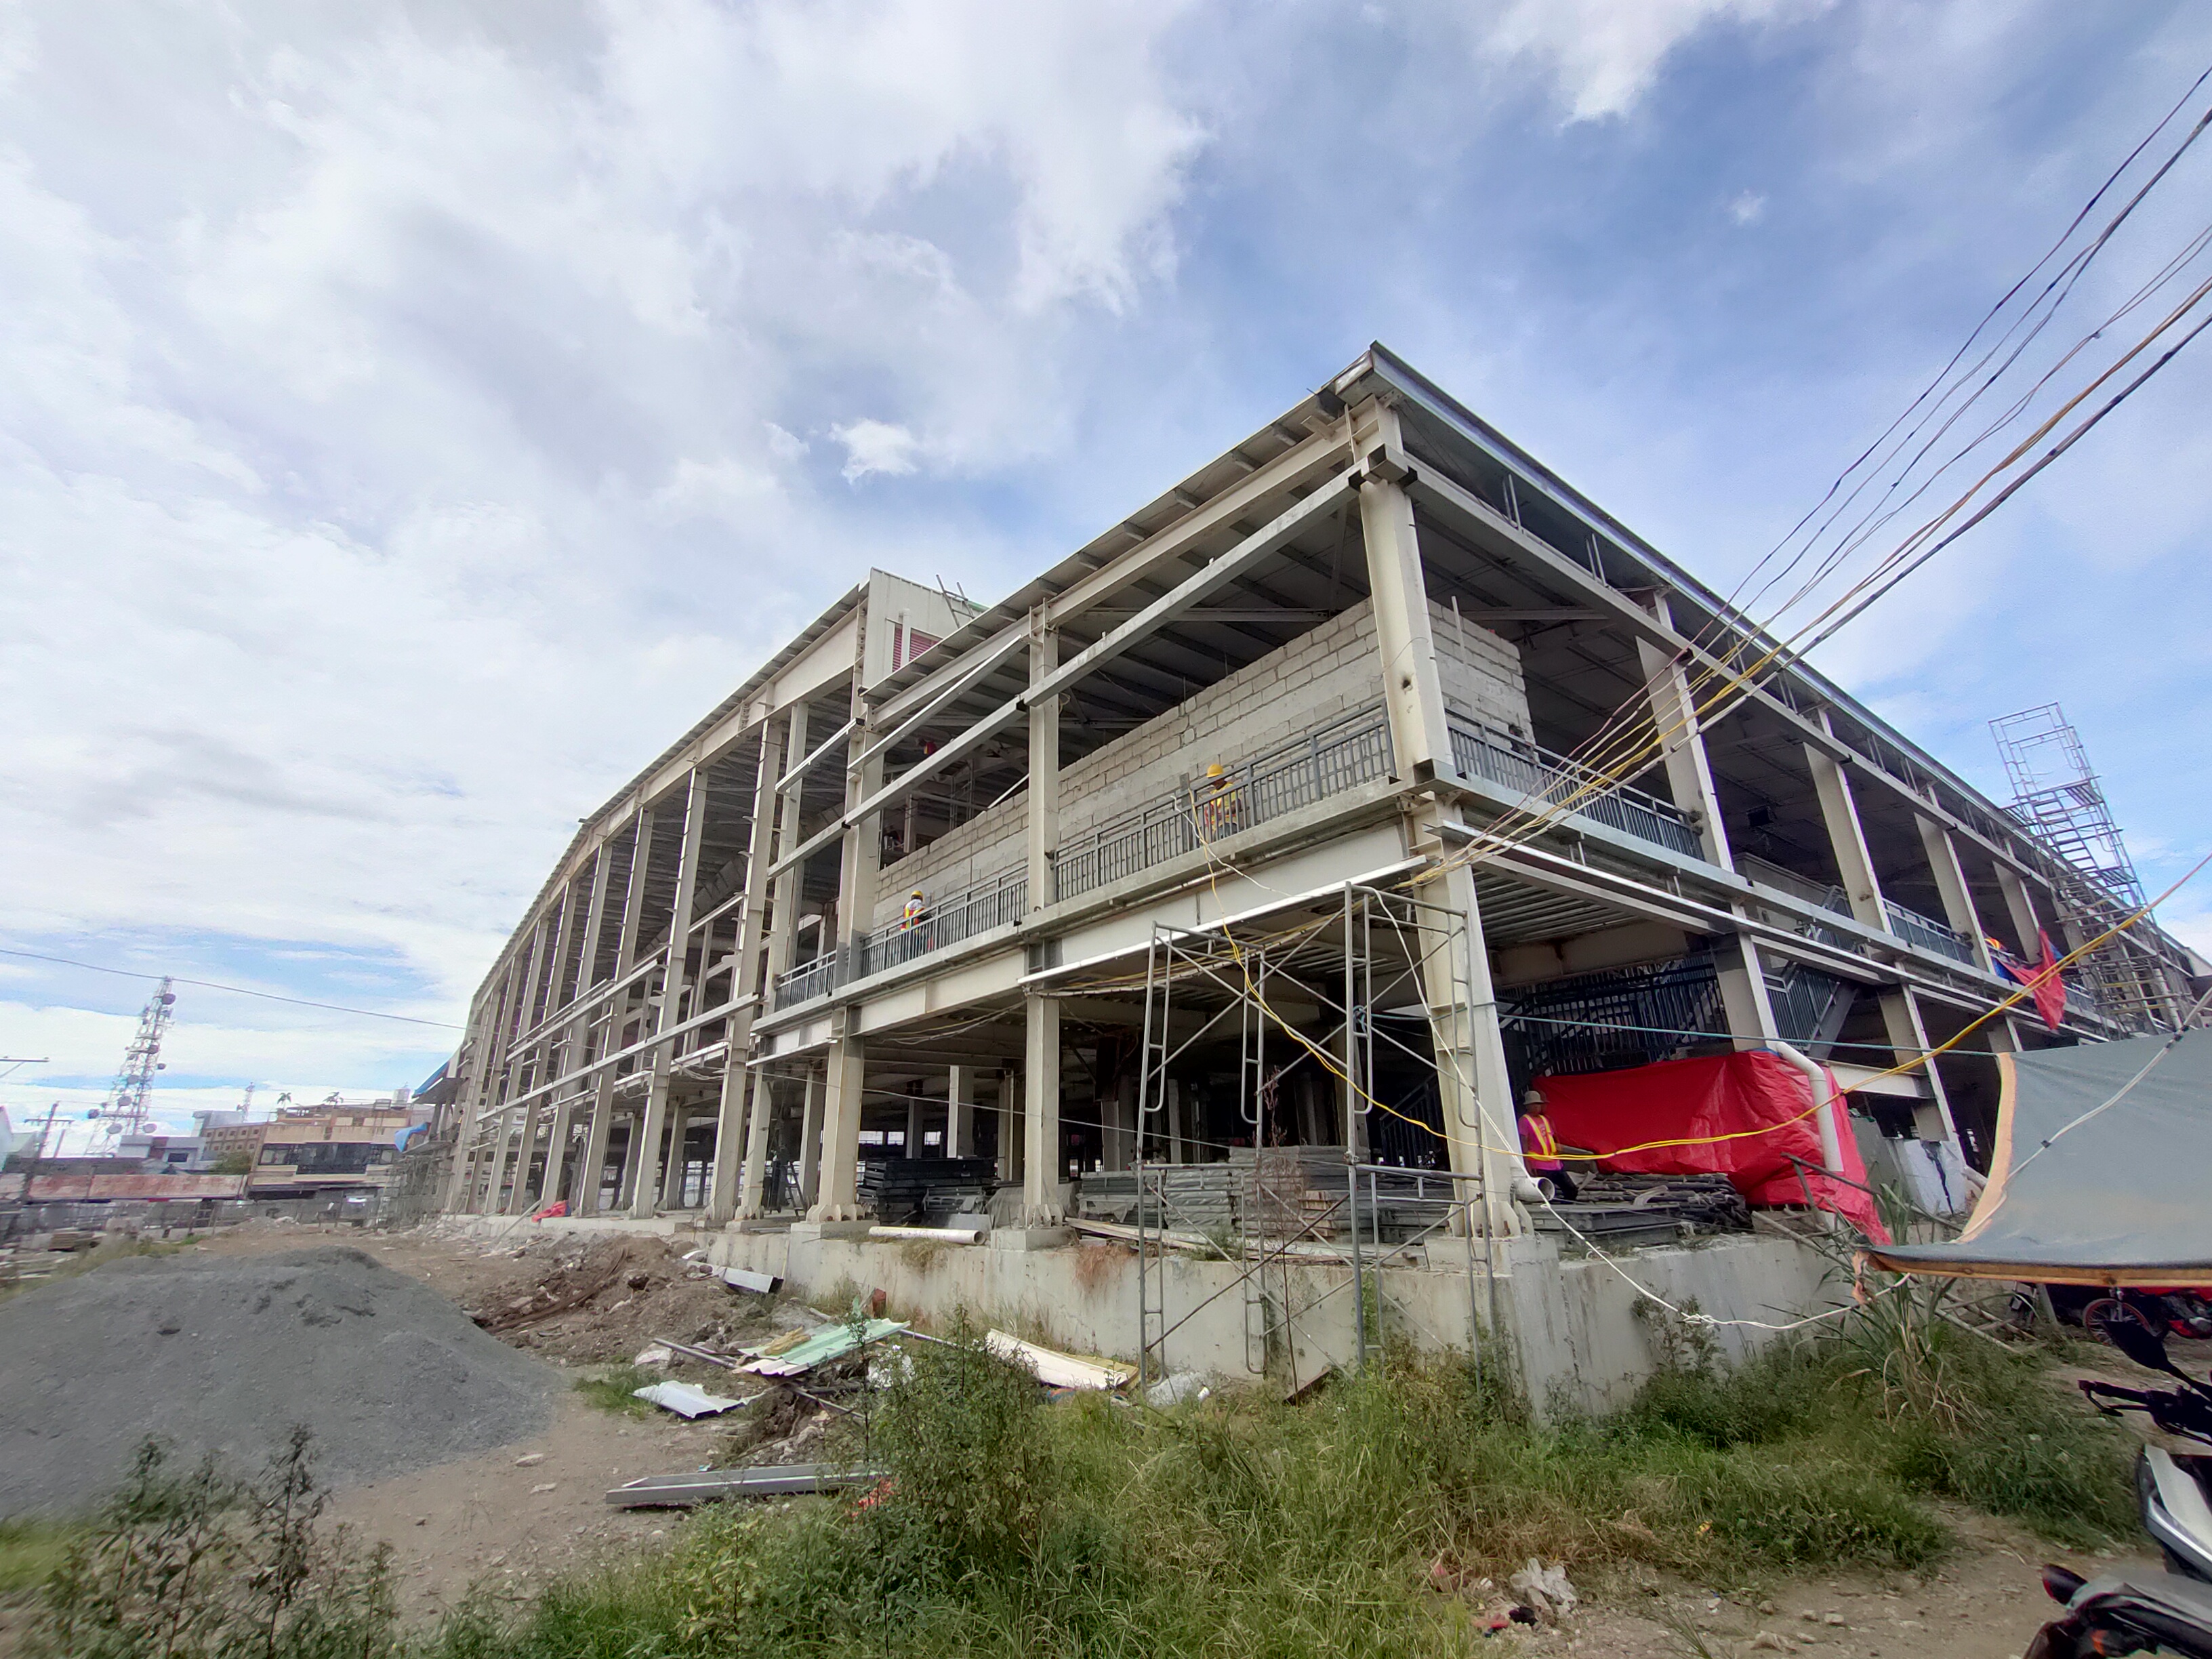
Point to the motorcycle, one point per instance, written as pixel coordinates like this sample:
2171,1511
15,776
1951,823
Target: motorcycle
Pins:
2145,1612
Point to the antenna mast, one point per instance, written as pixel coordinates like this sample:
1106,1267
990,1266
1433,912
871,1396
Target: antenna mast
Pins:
126,1112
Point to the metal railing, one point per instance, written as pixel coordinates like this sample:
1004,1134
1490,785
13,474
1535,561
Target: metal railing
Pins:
1916,929
1520,766
991,902
808,980
1341,755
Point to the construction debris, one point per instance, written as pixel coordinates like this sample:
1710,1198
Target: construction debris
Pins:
1545,1589
1055,1370
1175,1389
710,1486
796,1352
740,1279
686,1398
932,1235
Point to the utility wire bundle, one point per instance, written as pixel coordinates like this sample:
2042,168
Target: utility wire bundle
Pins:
2006,392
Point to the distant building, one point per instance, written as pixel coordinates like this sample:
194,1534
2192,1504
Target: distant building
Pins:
313,1149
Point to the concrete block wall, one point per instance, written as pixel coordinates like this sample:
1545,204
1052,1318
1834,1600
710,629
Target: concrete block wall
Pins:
1320,677
1481,673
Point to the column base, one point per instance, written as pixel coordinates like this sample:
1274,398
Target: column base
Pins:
757,1224
1030,1238
801,1231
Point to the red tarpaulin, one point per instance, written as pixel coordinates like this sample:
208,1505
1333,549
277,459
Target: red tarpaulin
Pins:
1699,1100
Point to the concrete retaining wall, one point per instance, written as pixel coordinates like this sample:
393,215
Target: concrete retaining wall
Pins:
1577,1340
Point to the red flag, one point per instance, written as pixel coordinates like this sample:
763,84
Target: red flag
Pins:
2048,990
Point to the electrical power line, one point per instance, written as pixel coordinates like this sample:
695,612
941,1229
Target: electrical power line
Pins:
235,990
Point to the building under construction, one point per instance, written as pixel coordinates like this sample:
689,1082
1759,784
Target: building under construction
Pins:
1241,872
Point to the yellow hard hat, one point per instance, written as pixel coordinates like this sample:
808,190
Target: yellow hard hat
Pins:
916,894
1216,770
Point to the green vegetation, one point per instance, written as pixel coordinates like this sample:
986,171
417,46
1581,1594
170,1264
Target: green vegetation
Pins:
29,1552
615,1389
197,1566
232,1164
1011,1526
1243,1526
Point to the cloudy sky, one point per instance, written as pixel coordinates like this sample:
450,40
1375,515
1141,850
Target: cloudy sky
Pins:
412,416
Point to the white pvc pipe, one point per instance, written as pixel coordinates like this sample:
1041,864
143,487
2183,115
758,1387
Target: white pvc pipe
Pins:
1832,1143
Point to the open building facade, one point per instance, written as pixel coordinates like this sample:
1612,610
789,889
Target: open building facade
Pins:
1271,818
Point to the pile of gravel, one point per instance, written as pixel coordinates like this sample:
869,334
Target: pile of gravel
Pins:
224,1354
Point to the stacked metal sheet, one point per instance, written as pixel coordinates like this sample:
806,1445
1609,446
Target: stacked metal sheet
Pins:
924,1191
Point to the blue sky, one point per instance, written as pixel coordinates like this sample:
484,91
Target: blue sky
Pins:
410,419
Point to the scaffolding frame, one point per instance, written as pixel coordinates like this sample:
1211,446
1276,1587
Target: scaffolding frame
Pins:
1374,946
2057,798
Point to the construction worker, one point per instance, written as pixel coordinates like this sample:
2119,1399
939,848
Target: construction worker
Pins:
1540,1147
913,911
1218,807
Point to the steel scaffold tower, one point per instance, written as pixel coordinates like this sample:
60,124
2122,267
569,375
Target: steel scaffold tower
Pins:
2057,798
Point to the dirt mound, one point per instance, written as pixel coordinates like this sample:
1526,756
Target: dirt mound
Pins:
606,1299
222,1354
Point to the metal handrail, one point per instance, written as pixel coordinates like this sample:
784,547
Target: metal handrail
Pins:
1347,752
988,903
1539,774
991,902
1931,935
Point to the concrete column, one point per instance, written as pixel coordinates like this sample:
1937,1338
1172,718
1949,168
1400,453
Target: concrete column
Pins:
493,1204
557,1152
1011,1136
671,1169
595,1144
809,1140
640,859
1744,1001
859,866
1041,1172
959,1113
1847,840
731,1196
1044,764
783,938
914,1125
1412,687
1119,1135
526,1010
2019,905
1951,882
1474,1085
1174,1121
649,1185
1901,1022
1682,741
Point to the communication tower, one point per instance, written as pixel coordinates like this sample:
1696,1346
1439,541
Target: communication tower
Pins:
2056,798
125,1111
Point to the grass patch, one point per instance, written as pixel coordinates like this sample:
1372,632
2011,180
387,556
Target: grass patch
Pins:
29,1552
1094,1527
615,1389
1241,1525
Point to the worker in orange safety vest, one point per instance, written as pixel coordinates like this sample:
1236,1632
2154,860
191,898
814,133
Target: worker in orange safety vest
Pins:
1540,1147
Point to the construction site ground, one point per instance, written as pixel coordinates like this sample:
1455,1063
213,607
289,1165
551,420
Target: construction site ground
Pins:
508,1522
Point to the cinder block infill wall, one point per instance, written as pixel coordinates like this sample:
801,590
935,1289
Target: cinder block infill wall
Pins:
1318,678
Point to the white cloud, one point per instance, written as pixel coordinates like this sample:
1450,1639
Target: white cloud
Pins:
875,446
1749,207
396,412
1605,54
